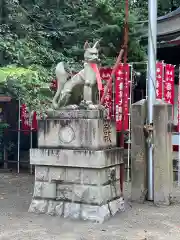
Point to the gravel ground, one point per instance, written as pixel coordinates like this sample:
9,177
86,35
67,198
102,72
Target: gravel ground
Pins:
141,222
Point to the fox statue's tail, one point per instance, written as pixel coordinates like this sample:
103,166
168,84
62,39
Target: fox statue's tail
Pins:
61,76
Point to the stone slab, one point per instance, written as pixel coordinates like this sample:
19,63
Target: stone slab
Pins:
76,133
55,208
138,152
77,175
163,170
41,173
38,206
44,190
88,194
78,211
78,114
76,158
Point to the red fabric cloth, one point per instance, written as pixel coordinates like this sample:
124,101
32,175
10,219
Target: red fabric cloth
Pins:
98,77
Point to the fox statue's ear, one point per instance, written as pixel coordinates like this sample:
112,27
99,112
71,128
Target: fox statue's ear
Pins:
86,45
97,44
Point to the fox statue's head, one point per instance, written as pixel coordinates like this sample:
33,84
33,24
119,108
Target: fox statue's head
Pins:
91,54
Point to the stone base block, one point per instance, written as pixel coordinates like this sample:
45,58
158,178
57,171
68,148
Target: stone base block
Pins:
78,211
77,132
77,175
45,190
87,194
76,158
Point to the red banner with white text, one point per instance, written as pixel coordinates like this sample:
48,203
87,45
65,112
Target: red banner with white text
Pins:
179,103
122,90
159,80
26,124
169,84
126,96
105,74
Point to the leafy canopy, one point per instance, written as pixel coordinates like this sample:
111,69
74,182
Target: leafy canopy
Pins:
140,7
36,35
24,84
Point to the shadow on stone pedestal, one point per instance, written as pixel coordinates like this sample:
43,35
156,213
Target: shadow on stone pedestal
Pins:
77,167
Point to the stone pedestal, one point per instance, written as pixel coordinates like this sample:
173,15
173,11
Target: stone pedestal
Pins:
77,167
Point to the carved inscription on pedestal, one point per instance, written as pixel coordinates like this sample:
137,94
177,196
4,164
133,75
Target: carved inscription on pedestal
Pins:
107,132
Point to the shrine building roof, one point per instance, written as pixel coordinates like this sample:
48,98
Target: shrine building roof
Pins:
168,29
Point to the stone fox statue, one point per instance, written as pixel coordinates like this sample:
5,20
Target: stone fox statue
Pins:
85,77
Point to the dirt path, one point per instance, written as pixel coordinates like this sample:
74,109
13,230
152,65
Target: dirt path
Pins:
138,222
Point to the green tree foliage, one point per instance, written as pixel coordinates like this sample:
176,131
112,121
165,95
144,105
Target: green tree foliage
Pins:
38,34
27,85
166,6
140,7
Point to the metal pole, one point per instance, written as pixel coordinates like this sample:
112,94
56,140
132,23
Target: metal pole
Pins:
152,42
19,126
129,133
147,82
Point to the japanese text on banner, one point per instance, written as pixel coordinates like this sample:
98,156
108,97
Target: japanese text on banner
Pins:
119,97
25,123
105,74
28,123
122,97
159,80
169,84
126,96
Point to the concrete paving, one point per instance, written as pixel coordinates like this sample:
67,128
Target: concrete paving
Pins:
139,222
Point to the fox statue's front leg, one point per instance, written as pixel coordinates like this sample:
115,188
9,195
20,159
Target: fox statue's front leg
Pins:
90,80
88,93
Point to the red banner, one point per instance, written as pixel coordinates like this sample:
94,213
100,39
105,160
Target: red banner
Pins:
179,103
122,97
159,80
26,125
34,122
105,74
169,84
126,96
